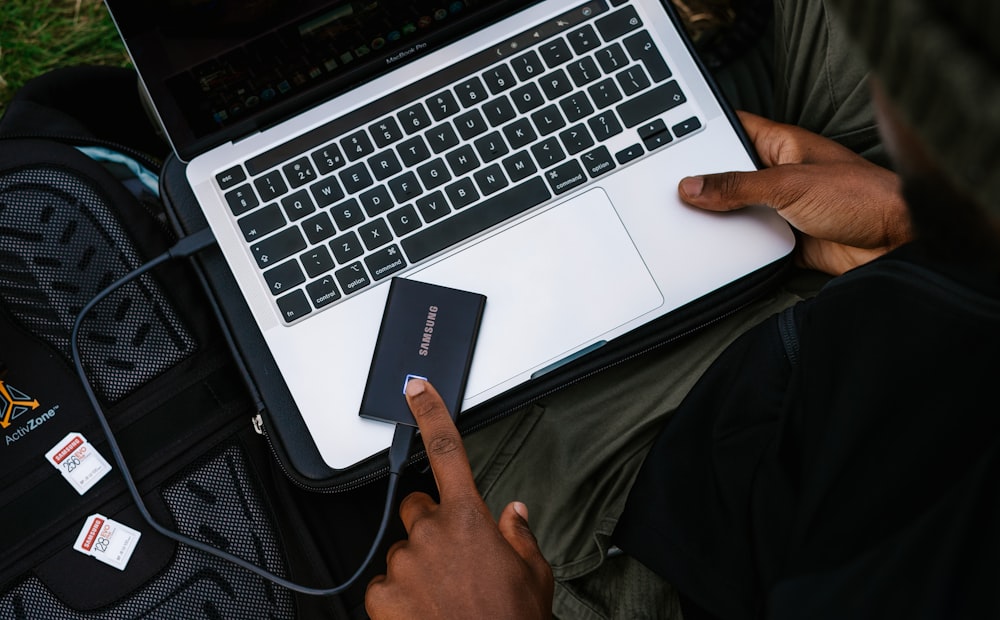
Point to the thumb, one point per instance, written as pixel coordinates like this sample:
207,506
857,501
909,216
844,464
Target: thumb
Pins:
727,191
514,527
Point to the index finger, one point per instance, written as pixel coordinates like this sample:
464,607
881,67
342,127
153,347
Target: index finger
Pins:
442,440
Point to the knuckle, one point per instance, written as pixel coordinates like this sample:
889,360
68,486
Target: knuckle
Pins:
443,445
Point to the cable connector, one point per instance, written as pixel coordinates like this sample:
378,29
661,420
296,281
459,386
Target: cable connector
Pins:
399,451
192,244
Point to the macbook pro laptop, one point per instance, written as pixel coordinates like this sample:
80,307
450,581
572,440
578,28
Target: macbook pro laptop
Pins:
526,150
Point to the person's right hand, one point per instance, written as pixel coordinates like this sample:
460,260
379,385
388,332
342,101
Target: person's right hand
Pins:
847,210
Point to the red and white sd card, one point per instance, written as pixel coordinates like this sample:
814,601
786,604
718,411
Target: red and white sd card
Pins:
78,462
107,540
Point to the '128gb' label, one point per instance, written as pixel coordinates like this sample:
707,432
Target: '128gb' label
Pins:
107,540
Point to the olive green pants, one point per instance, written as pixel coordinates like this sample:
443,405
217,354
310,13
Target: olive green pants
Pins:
573,456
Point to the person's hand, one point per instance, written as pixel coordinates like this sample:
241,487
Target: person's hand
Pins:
847,209
458,562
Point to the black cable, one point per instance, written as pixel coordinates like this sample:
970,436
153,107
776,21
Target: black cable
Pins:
398,452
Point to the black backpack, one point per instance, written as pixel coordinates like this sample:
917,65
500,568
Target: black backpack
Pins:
79,209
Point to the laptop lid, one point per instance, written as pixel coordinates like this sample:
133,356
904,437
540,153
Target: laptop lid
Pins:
576,238
218,71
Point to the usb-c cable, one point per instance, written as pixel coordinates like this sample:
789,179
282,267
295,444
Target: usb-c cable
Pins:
398,452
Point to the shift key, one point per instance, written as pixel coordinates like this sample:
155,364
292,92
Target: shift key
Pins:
651,103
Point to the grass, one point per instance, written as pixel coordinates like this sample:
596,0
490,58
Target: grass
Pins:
37,36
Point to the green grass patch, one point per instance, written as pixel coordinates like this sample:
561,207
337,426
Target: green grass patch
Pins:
37,36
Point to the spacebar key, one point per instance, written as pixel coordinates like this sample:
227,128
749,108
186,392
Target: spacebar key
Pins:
476,219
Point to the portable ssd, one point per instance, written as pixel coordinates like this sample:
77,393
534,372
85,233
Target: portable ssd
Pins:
427,331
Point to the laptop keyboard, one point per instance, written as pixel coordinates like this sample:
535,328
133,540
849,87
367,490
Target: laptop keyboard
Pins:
371,194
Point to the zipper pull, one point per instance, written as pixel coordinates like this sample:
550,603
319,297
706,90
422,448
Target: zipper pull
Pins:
258,424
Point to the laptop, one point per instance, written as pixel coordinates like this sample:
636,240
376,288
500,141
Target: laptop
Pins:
525,150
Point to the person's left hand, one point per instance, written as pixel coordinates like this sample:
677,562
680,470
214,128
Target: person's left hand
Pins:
458,562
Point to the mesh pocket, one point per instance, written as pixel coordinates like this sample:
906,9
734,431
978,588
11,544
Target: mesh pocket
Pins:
60,245
214,501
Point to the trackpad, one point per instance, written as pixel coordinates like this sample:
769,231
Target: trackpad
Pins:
554,283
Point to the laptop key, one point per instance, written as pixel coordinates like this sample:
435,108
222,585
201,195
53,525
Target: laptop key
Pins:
576,106
471,92
632,80
548,119
228,179
385,132
583,39
318,227
442,138
527,66
261,222
618,23
605,93
323,291
462,193
352,278
598,161
346,248
548,152
605,125
565,177
499,79
355,178
490,180
434,173
519,166
628,154
641,48
294,306
443,105
375,234
275,249
242,199
555,52
520,133
576,139
299,172
556,84
326,191
328,159
385,262
491,146
413,151
357,145
405,187
297,205
583,71
433,206
414,119
482,216
612,58
527,98
270,186
651,103
347,214
498,111
404,220
683,128
317,261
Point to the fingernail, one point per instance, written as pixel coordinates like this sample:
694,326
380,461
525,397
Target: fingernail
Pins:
415,387
521,510
692,186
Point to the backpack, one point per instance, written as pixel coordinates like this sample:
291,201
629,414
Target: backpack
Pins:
79,208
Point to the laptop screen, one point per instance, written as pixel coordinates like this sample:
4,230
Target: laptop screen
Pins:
217,70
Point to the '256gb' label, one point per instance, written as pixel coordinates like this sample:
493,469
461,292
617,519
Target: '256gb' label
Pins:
78,462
